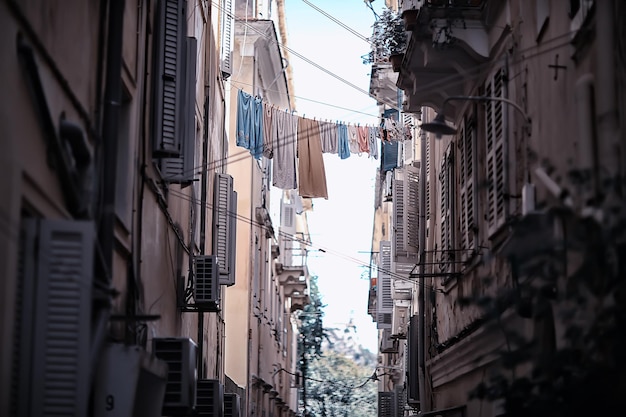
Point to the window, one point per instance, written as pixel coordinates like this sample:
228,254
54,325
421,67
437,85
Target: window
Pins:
55,273
446,228
226,45
181,168
467,189
495,153
168,77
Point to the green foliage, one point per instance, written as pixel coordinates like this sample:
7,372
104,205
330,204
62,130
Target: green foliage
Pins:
388,37
336,383
338,386
573,288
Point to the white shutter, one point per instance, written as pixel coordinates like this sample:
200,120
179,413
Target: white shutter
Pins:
495,156
386,404
228,33
61,333
384,300
222,214
467,189
168,77
287,233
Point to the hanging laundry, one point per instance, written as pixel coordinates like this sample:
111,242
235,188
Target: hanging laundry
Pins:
284,136
311,172
268,114
353,139
244,119
362,137
372,135
256,137
329,133
343,143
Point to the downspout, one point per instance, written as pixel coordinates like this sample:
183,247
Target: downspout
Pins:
203,208
421,346
606,109
505,139
110,121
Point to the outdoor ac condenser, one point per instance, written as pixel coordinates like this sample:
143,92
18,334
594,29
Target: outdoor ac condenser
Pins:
206,282
181,358
210,396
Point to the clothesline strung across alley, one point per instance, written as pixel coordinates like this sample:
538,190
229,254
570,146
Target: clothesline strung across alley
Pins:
295,144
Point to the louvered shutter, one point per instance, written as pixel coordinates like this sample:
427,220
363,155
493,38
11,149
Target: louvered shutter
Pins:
181,169
222,213
400,397
61,338
25,309
446,205
406,218
384,301
168,94
412,381
232,242
428,157
228,32
287,232
495,155
466,188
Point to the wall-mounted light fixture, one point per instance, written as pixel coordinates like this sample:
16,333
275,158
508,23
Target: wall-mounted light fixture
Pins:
439,127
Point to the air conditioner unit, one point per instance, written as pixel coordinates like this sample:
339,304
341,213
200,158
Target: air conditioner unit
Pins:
387,343
181,358
210,401
232,405
129,382
400,320
206,282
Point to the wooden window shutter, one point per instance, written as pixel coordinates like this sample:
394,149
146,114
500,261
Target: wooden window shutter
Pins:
446,217
222,213
406,214
384,301
467,191
428,157
61,340
495,156
181,169
228,33
168,94
287,232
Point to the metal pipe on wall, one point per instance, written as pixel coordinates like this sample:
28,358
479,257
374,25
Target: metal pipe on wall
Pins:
421,347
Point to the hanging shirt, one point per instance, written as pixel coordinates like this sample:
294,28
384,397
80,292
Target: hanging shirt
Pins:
372,135
328,132
353,139
362,137
284,136
311,172
343,143
268,112
256,137
244,119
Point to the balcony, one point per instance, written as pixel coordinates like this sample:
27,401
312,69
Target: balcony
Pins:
295,282
383,84
449,41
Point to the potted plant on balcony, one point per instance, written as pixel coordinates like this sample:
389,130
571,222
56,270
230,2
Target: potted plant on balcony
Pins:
389,39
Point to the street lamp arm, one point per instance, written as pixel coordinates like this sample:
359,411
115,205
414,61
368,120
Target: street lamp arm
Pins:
487,98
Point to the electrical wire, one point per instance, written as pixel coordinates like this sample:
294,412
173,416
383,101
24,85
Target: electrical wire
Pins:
339,22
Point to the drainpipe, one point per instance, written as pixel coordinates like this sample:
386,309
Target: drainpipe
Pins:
606,110
505,139
112,101
421,346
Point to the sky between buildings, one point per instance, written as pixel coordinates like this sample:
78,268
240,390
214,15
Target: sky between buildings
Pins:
341,225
